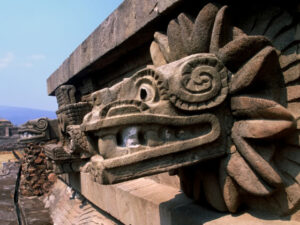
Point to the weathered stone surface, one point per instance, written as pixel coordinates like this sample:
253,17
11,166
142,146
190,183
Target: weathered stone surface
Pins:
38,130
69,207
8,178
10,143
144,201
70,114
9,136
143,196
37,176
34,212
195,83
123,24
7,129
166,179
219,107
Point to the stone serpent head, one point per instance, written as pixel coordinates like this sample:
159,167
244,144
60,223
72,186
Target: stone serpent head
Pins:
214,101
38,130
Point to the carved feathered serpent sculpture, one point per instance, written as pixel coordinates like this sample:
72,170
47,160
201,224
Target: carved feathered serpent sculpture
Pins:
214,107
253,172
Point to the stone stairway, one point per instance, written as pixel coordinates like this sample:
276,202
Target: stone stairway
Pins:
33,211
69,208
8,177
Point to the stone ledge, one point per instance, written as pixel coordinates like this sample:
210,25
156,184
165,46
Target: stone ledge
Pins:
124,23
143,201
134,202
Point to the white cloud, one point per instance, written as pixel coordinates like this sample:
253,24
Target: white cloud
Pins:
32,60
27,64
6,60
37,57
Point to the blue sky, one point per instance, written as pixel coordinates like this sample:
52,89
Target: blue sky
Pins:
35,38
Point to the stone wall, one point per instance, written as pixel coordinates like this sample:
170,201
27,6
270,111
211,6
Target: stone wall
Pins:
9,136
10,143
36,176
7,129
204,93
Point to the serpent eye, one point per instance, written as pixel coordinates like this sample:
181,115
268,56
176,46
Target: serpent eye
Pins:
143,94
146,93
146,86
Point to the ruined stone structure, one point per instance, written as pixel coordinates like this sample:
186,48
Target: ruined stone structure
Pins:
207,92
9,136
37,176
7,129
38,130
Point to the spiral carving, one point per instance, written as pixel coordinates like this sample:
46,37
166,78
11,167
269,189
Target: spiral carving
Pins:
42,124
202,83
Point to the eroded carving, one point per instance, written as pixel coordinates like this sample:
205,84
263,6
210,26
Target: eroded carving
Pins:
214,108
145,125
65,95
38,130
219,107
70,115
72,145
253,173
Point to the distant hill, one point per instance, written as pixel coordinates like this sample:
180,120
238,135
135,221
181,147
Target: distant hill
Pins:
18,115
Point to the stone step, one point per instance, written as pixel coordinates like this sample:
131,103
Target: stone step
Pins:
7,188
144,201
68,208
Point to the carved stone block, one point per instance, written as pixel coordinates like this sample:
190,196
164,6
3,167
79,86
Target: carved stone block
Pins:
214,93
38,130
219,107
